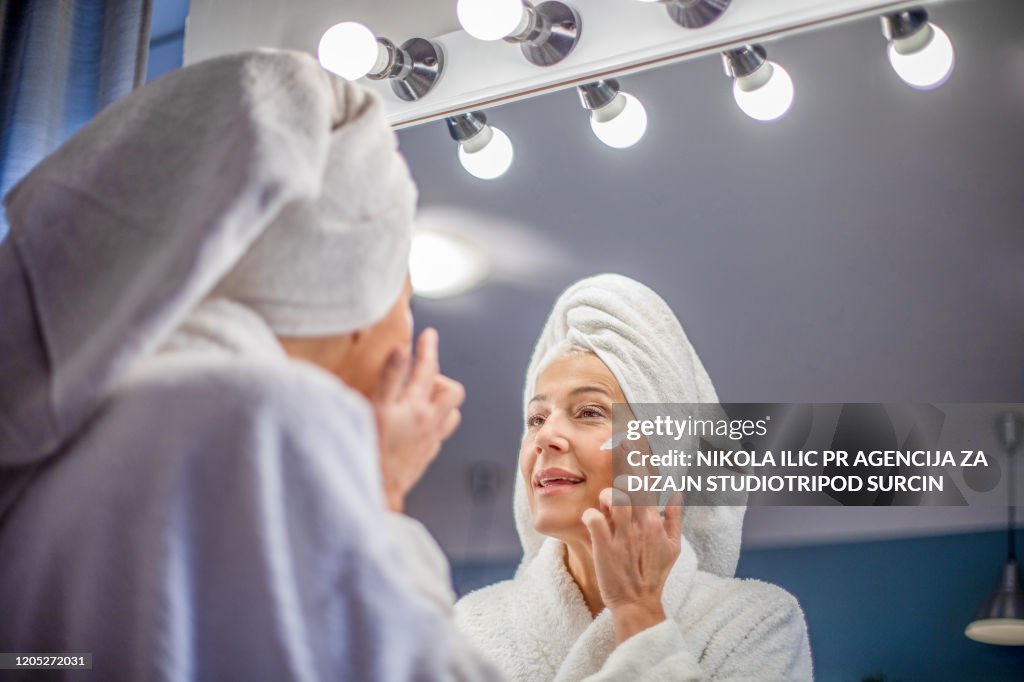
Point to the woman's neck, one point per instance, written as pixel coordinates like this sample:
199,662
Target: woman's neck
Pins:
579,560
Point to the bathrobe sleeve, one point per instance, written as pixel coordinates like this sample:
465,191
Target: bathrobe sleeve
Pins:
432,578
223,522
768,643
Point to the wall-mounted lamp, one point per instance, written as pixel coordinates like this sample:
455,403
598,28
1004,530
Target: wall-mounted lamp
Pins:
920,52
443,264
484,151
694,13
618,118
1000,618
350,50
546,34
763,90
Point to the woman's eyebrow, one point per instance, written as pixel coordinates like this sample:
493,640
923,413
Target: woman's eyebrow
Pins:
540,397
589,389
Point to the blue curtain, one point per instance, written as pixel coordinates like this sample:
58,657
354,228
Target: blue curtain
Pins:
61,61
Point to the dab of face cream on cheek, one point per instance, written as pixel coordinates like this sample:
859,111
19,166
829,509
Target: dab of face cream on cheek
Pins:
613,442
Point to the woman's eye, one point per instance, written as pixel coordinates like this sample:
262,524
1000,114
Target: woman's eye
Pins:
591,412
534,421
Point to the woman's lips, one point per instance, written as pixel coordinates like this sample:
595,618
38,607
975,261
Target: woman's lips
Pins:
552,481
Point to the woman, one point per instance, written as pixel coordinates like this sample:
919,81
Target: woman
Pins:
613,592
201,431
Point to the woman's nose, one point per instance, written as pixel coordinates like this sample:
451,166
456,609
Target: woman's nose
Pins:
551,436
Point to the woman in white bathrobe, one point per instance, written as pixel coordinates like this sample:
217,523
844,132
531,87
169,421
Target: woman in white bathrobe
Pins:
203,443
614,592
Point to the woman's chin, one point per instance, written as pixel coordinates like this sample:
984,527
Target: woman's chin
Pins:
560,524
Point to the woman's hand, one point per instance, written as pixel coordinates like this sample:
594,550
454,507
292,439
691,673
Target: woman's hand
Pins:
416,411
634,550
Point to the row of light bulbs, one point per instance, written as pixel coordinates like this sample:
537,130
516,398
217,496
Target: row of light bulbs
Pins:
920,52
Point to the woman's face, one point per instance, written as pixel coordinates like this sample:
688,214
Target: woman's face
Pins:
372,346
561,461
358,358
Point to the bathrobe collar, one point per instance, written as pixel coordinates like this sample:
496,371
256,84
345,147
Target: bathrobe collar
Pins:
562,615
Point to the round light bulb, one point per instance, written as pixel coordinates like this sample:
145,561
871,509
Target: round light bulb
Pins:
623,129
489,19
492,160
442,264
927,67
768,101
349,50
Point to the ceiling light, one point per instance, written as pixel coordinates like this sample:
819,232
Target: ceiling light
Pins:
618,118
484,151
694,13
546,34
351,51
444,264
920,52
763,90
1000,619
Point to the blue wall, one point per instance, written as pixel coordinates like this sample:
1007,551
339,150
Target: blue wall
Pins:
896,608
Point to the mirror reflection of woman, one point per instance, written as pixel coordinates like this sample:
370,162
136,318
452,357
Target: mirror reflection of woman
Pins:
613,592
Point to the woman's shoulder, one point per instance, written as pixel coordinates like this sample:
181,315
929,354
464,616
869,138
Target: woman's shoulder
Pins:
226,398
485,600
744,593
746,587
234,383
733,607
747,625
490,609
173,412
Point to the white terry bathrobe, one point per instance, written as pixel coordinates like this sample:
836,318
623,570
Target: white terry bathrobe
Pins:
537,626
178,497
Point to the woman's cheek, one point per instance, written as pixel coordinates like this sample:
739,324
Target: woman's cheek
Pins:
599,467
526,465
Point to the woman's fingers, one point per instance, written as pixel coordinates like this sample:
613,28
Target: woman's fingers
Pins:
416,410
621,464
450,424
600,531
619,508
639,497
447,394
392,377
446,398
427,367
674,516
611,502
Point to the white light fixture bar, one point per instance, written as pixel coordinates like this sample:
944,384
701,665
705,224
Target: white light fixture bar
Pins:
621,37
